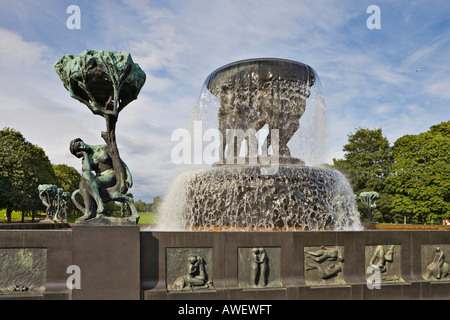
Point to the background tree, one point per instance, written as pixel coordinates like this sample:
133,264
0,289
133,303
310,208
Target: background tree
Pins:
368,159
367,164
420,183
23,167
157,201
141,206
112,208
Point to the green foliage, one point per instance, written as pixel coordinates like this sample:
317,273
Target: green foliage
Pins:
23,167
114,208
412,177
368,158
17,215
141,206
421,175
367,163
67,177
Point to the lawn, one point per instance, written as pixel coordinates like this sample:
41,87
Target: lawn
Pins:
146,217
17,216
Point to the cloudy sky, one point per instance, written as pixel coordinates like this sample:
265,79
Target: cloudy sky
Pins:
396,78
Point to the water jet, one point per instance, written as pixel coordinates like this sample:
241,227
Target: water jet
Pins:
264,186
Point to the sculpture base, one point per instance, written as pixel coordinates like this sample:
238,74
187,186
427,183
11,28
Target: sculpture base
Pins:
51,221
102,220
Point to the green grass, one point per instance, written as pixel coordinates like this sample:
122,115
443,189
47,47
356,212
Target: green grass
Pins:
18,216
146,217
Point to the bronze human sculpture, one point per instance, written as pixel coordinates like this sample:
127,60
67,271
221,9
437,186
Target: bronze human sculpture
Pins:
258,92
47,194
99,179
56,201
64,197
106,82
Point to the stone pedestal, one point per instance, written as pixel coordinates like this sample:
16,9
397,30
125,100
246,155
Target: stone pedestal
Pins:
108,261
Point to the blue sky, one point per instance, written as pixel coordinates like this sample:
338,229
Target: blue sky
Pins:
368,77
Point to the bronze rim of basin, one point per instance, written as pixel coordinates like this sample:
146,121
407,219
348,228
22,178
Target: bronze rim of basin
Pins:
265,69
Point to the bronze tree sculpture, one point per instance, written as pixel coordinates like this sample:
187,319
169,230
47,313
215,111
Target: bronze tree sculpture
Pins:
106,82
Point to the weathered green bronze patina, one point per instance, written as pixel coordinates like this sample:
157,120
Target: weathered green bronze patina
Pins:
106,82
56,201
368,198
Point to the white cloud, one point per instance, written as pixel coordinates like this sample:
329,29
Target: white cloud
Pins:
440,88
16,53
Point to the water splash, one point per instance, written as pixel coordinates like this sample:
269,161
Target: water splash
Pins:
309,143
240,197
237,197
173,206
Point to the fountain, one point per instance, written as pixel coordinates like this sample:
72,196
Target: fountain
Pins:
313,246
259,223
264,187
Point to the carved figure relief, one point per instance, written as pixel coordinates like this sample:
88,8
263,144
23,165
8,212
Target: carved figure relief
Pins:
380,257
64,203
188,269
23,270
259,267
438,268
323,265
196,276
384,260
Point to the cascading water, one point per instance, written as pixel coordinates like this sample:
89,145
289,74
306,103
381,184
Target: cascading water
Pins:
259,180
242,197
